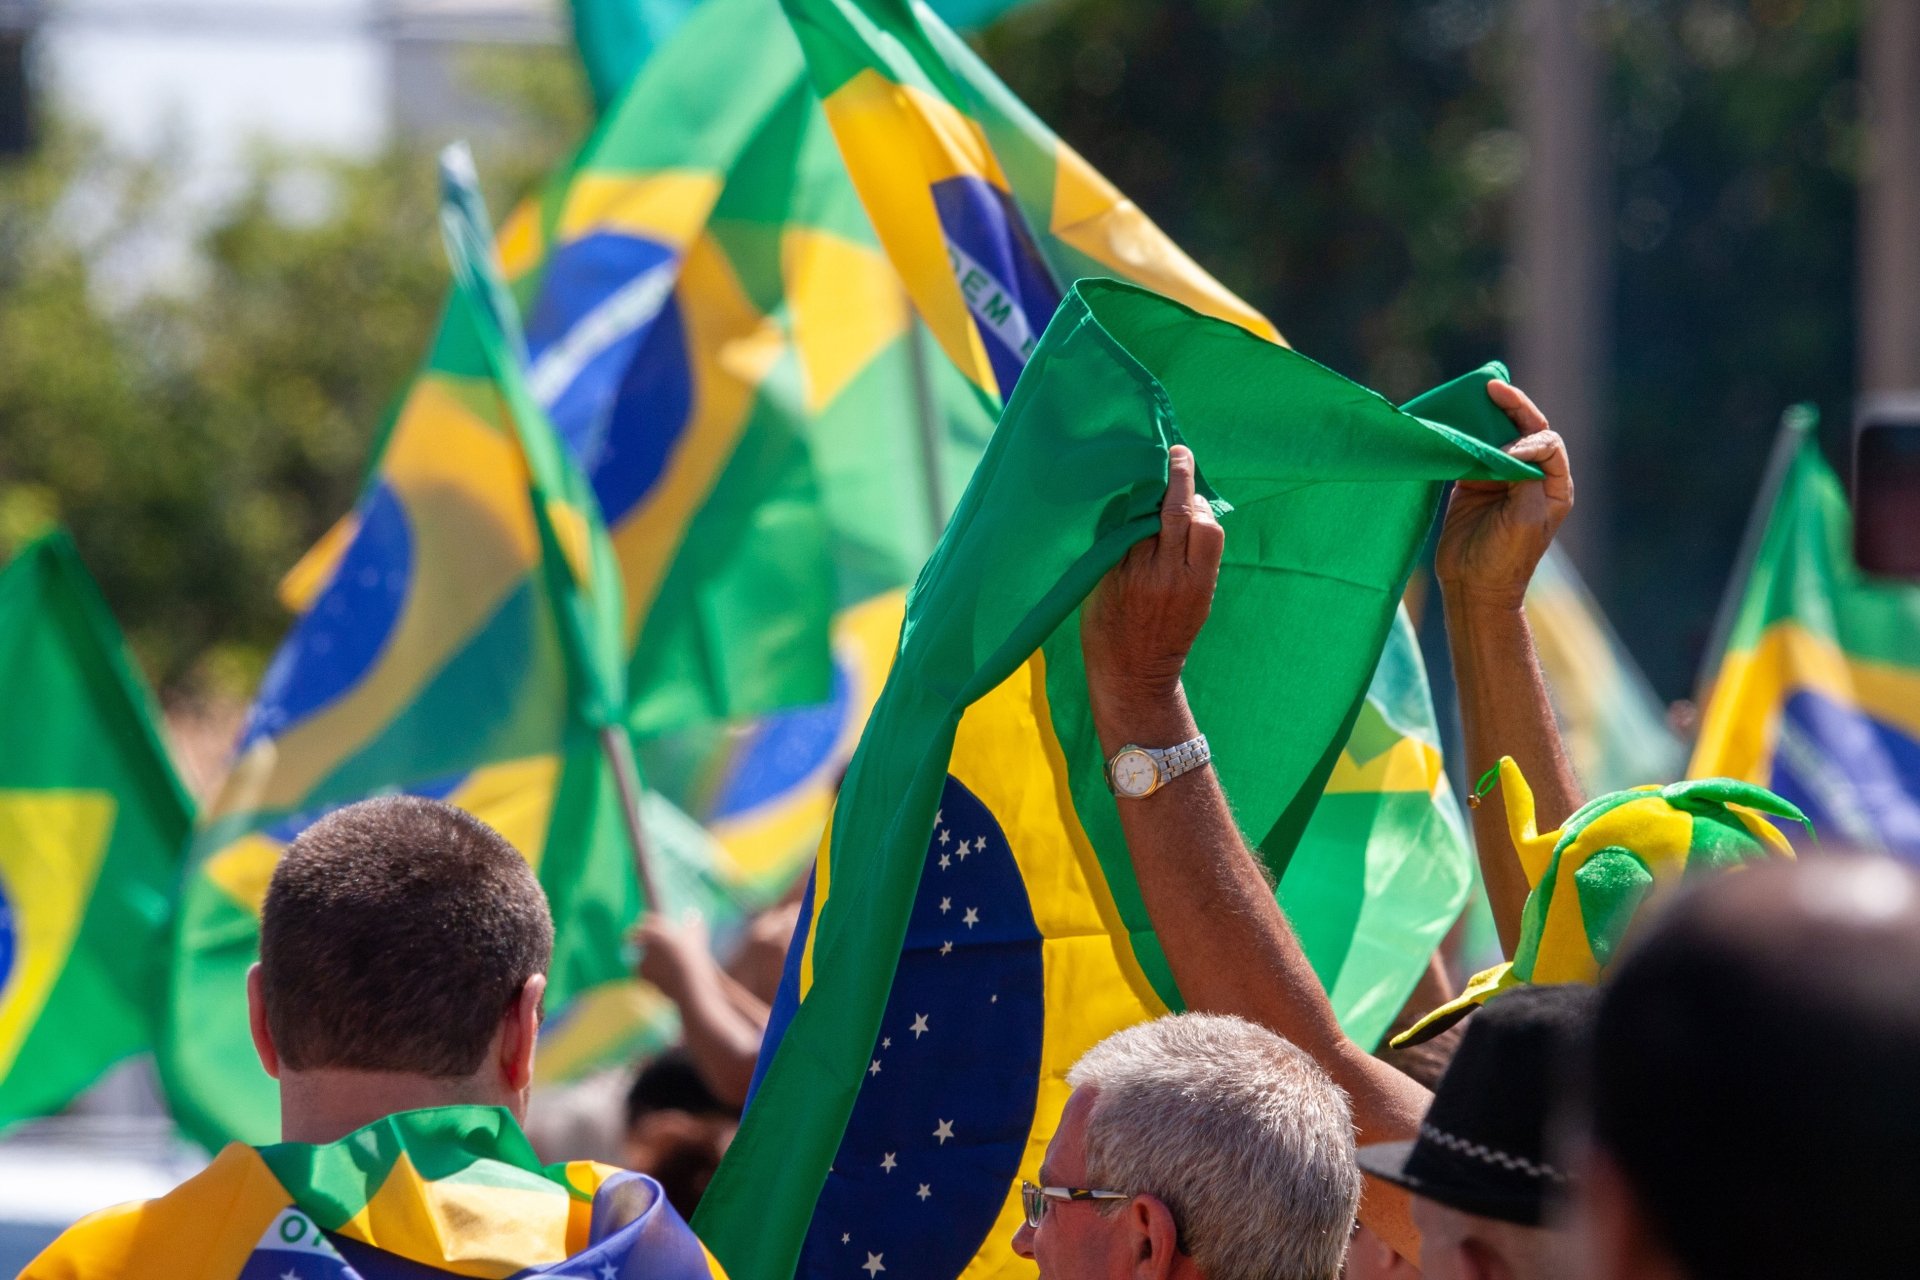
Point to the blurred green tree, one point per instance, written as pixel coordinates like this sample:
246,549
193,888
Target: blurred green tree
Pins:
199,424
1348,169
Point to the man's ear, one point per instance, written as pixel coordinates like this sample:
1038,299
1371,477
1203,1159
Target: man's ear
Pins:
257,1023
1153,1237
519,1032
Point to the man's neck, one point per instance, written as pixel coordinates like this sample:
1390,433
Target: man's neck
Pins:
328,1104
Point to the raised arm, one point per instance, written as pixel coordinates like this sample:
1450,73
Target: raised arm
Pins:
721,1022
1490,544
1228,943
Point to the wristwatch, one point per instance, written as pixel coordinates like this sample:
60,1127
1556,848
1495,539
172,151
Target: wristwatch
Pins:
1136,772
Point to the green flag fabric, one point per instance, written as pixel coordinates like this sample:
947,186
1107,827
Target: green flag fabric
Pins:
449,651
93,822
974,924
724,348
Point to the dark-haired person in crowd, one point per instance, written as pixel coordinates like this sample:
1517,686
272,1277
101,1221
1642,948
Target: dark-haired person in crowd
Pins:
404,948
1229,945
677,1130
1754,1083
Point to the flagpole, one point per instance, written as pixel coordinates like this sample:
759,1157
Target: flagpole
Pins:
1795,423
927,412
618,749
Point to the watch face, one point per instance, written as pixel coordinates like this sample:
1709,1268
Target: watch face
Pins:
1134,773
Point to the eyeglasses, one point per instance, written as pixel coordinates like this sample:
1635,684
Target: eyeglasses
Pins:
1034,1199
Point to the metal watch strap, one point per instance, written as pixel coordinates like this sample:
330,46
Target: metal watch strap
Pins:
1182,758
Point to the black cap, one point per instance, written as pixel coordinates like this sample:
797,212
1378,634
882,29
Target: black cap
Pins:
1482,1147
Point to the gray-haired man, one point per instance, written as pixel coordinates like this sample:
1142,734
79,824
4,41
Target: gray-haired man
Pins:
1195,1146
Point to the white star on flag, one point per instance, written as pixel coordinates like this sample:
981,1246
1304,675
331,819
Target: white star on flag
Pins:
972,917
608,1271
944,1132
945,862
980,845
946,905
886,1042
946,836
888,1163
945,947
919,1026
846,1237
289,1274
924,1191
873,1266
963,851
874,1070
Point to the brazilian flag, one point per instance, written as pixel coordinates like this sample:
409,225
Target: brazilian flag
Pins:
973,924
1817,694
92,824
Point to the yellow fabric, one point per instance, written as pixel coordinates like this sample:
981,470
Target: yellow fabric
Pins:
51,847
1741,726
1480,988
204,1229
1006,754
464,487
1535,850
1659,836
897,142
483,1230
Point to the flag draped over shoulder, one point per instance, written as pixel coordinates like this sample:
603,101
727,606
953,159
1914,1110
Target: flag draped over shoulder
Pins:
1817,695
452,1191
93,822
723,345
1614,727
457,647
974,923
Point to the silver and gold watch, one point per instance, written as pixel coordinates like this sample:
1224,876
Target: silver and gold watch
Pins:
1136,772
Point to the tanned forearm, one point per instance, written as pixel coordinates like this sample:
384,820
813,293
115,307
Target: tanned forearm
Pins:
1504,711
722,1024
1230,946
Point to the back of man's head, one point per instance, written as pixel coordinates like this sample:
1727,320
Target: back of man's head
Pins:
1753,1073
1244,1138
396,935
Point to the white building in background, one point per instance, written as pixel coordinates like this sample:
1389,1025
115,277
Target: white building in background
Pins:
211,77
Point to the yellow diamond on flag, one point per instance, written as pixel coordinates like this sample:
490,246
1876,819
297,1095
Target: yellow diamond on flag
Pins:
51,847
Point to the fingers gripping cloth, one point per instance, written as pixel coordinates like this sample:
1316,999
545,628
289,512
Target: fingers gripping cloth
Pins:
1591,876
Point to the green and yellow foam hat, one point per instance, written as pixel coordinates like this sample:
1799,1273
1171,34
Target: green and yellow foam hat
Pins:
1590,877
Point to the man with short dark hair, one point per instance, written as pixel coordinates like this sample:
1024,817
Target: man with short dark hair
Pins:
404,947
403,954
1752,1083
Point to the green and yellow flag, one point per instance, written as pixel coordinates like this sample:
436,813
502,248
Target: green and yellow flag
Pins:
989,218
447,1191
92,825
464,644
1817,694
974,923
